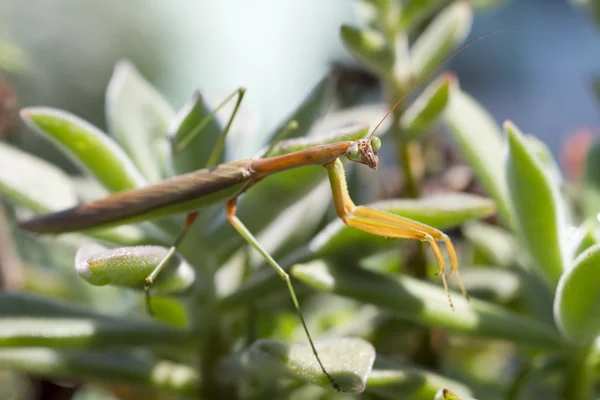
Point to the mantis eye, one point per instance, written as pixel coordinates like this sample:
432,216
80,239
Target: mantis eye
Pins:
354,154
375,143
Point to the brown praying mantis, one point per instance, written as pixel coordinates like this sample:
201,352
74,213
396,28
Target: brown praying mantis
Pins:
226,182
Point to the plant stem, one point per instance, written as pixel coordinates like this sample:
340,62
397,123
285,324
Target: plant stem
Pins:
206,323
213,346
212,351
578,380
411,186
425,354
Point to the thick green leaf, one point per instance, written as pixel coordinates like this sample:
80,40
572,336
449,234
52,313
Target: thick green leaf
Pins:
256,288
130,266
440,211
495,285
33,182
497,245
393,380
30,305
348,361
48,267
98,303
376,13
137,116
480,141
370,48
194,119
535,295
51,283
445,33
308,112
415,11
102,367
538,208
429,106
577,296
591,183
296,225
340,317
544,155
170,311
86,145
87,332
426,304
30,320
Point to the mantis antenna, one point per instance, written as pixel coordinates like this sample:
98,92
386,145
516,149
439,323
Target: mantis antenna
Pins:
428,75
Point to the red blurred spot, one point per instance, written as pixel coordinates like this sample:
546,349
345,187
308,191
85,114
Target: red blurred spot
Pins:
574,151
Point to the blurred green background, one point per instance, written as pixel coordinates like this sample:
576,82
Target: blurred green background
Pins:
279,50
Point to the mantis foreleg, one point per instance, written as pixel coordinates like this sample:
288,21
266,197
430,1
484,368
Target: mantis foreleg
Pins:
390,225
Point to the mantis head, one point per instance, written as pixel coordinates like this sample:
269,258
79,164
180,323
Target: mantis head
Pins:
364,151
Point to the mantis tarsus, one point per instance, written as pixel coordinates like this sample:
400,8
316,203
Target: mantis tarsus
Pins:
226,182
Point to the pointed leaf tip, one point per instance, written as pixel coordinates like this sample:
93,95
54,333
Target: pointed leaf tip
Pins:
24,113
137,115
446,32
369,47
86,145
429,105
130,266
540,215
508,125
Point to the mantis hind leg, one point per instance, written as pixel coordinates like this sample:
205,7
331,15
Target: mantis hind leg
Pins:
247,235
212,161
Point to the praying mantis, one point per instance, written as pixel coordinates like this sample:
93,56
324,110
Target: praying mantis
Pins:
226,182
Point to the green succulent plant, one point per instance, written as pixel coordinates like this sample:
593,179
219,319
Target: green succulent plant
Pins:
223,325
